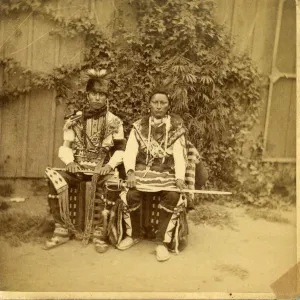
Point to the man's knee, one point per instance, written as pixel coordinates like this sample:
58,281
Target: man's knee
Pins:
133,197
170,199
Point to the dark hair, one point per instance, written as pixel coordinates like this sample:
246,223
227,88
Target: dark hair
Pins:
92,81
159,91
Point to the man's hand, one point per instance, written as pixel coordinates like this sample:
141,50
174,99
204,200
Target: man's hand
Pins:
73,167
105,170
180,184
131,181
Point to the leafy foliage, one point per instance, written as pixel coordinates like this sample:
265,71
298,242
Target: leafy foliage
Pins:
218,94
265,184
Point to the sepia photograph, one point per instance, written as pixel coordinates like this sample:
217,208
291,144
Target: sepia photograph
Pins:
148,149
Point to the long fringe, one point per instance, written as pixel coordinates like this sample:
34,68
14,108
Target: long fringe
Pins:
105,213
177,236
120,227
165,209
90,212
63,201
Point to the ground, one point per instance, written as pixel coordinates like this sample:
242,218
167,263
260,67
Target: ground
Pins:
244,251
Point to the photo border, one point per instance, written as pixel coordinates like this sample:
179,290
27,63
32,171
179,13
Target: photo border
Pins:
187,295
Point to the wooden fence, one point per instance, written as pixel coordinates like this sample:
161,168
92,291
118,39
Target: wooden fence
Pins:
266,30
31,127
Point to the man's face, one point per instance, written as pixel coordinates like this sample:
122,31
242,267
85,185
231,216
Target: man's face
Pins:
97,97
159,105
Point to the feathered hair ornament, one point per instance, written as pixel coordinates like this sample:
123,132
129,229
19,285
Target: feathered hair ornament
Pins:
92,73
95,74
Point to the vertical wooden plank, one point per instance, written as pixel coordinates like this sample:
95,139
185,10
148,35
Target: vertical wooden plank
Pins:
25,137
243,24
71,49
40,129
52,129
59,123
234,5
19,131
262,49
42,102
278,120
43,46
13,44
260,34
298,128
275,49
27,102
277,33
2,39
1,83
53,102
290,136
70,52
16,37
11,136
252,43
92,10
224,13
104,12
286,58
259,126
282,53
264,35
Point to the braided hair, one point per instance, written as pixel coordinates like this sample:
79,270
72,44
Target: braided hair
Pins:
95,77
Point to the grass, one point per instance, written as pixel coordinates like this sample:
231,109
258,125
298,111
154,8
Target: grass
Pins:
266,214
218,216
4,205
19,227
213,215
234,270
6,190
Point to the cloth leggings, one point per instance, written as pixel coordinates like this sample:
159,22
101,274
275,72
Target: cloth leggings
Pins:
72,181
169,201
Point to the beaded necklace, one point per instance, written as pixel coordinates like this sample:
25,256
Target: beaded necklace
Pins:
166,121
101,133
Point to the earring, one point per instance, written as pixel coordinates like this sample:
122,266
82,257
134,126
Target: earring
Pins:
85,102
107,105
87,97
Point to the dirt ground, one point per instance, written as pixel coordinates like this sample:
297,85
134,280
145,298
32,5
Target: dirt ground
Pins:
244,255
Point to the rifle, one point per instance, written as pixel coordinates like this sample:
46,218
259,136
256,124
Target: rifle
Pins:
146,188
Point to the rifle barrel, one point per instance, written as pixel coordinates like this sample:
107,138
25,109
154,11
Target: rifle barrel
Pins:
150,189
153,189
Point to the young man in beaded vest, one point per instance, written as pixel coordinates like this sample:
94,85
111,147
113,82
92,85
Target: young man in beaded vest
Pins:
155,159
93,142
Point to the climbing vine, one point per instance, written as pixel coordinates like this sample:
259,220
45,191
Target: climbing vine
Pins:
176,43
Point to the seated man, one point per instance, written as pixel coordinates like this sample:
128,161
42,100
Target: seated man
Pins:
155,159
93,144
